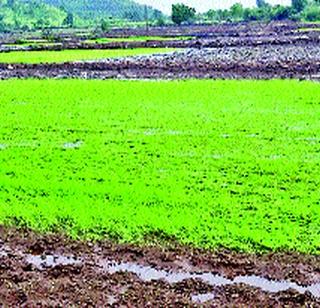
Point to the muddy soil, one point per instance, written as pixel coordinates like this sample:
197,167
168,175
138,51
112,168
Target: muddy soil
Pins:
214,40
53,270
216,36
260,62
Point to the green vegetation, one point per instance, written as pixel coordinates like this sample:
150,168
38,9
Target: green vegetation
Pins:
97,9
136,39
39,14
74,55
182,13
300,10
26,15
207,163
309,29
103,15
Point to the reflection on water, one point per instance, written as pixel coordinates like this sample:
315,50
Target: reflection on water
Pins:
47,261
147,273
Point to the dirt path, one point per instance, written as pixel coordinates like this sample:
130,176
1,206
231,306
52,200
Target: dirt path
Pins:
53,271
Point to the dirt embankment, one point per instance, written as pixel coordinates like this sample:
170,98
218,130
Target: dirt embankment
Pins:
260,62
53,270
214,36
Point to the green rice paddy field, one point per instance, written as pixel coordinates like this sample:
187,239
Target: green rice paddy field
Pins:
74,55
206,163
136,39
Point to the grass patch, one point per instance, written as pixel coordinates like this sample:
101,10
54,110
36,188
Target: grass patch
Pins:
308,29
74,55
32,44
136,39
206,163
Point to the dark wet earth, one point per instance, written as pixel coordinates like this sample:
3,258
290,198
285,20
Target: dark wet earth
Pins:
53,270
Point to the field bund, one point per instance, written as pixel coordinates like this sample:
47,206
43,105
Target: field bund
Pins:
208,163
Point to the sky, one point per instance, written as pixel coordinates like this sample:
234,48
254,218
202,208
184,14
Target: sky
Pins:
204,5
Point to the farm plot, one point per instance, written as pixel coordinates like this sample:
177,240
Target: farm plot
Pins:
136,39
208,163
74,55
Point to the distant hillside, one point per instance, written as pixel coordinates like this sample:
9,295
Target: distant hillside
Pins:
97,9
16,14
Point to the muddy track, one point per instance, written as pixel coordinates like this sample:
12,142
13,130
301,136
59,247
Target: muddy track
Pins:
56,271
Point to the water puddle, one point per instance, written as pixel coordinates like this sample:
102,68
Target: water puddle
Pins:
4,250
112,300
49,261
147,273
73,145
202,298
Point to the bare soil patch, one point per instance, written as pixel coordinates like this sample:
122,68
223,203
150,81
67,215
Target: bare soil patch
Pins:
52,270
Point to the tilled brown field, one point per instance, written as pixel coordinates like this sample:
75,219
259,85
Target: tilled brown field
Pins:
255,51
53,270
260,62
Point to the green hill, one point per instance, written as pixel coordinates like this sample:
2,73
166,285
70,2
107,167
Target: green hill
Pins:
17,14
97,9
31,14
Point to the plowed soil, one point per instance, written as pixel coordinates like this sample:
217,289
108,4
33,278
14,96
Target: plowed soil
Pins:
52,270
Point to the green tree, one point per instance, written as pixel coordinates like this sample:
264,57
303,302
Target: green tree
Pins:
281,12
182,13
2,24
10,3
261,3
236,11
299,5
69,20
312,13
105,25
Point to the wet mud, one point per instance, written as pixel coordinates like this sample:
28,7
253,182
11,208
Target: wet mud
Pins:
52,270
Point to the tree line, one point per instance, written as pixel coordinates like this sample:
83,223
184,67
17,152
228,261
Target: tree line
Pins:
299,10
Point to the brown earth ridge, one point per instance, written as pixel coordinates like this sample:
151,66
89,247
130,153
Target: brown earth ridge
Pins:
53,270
228,51
262,62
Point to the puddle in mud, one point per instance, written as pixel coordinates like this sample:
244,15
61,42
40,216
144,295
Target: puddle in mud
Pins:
147,273
72,145
112,300
43,262
202,298
4,250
